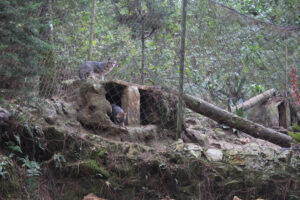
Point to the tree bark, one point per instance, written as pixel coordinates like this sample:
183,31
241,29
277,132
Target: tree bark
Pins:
143,52
222,116
286,67
92,30
47,85
180,86
254,100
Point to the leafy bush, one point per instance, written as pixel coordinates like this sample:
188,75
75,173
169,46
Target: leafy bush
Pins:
295,135
3,165
33,168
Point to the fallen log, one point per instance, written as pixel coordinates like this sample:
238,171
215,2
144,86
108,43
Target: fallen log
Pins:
222,116
254,100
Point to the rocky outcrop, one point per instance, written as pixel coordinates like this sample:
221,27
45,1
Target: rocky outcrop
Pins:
93,108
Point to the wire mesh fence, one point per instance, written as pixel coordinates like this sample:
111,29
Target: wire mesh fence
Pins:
229,58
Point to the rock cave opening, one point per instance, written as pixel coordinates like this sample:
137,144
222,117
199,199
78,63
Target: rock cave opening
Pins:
282,111
145,108
114,93
135,101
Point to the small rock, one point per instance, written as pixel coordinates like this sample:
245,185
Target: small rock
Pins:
91,196
214,155
268,153
49,120
197,136
58,106
189,149
192,121
50,115
193,149
220,133
4,115
244,140
179,147
68,109
236,198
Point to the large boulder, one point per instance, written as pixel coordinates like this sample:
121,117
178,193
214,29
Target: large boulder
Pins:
273,113
93,108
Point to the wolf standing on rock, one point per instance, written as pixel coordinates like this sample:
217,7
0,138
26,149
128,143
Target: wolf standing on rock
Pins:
90,68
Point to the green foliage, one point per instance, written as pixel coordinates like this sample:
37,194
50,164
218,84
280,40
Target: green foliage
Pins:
144,17
20,40
32,167
13,147
257,89
59,160
228,56
4,164
280,11
296,127
295,135
240,112
224,48
225,53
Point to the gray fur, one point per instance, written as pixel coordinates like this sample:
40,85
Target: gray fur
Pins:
118,114
90,68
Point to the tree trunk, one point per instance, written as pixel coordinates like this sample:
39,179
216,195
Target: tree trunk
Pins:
254,100
232,120
222,116
286,68
47,85
180,87
143,54
92,30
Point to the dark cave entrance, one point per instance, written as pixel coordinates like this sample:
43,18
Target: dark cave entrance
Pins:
145,108
114,93
282,112
136,102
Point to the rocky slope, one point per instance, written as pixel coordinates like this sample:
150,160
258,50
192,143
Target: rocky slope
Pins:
58,149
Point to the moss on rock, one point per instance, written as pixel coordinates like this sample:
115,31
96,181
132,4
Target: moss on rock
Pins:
55,138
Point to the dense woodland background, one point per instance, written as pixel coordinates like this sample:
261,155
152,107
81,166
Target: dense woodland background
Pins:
234,49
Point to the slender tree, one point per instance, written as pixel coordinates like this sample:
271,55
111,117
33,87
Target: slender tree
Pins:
143,53
180,87
47,85
92,30
145,18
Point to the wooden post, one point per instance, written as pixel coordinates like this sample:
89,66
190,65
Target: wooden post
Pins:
131,105
180,87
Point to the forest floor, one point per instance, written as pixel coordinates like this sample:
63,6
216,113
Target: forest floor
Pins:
46,153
